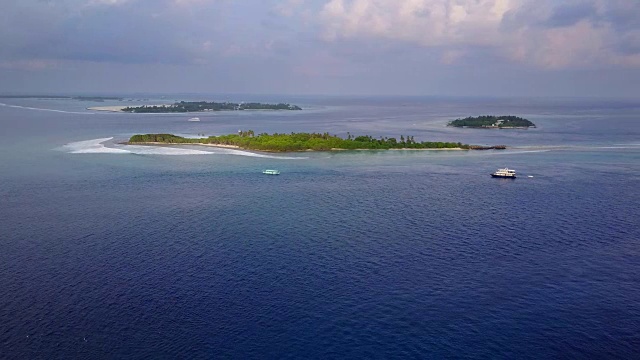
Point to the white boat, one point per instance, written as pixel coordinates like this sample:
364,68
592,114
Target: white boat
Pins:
194,119
504,173
271,172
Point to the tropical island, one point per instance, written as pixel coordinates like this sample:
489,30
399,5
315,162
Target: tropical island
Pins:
198,106
304,142
493,122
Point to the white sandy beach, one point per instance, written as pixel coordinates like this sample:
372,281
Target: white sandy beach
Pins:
107,108
118,108
310,150
199,144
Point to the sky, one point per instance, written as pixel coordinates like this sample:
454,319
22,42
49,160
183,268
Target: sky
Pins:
333,47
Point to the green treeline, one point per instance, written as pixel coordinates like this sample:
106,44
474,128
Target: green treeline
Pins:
492,121
299,141
193,106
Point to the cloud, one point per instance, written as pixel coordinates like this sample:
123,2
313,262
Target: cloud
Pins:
332,46
119,31
426,22
569,14
544,33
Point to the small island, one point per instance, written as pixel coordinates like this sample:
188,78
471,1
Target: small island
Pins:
304,142
493,122
199,106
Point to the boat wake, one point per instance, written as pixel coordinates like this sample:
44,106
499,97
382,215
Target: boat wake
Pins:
41,109
546,148
513,152
96,146
619,147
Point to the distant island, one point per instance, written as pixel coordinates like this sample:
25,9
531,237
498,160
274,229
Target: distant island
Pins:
97,98
493,122
304,142
197,106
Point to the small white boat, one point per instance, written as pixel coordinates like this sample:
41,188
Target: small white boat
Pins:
271,172
504,173
194,119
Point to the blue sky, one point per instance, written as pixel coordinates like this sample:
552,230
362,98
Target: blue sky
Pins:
367,47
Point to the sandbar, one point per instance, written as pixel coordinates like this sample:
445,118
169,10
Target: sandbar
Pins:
118,108
395,149
278,151
199,144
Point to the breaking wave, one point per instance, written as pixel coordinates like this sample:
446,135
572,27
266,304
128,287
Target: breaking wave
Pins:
96,146
248,153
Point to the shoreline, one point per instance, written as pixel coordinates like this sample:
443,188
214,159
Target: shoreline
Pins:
495,127
199,144
292,151
396,149
118,108
107,108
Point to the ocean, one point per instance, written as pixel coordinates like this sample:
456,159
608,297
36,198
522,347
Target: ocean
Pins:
117,251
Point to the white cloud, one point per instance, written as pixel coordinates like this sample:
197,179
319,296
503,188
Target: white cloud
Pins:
427,22
546,33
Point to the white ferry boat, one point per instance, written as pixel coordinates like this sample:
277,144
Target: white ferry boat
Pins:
194,119
504,173
271,172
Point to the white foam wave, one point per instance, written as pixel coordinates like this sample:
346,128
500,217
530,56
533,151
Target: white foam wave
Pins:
96,146
250,154
163,150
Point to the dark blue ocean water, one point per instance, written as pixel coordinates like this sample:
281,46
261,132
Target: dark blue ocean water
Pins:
129,252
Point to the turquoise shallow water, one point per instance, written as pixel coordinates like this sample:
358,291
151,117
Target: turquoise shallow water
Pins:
348,254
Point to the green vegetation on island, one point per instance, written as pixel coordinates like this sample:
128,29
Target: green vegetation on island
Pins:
196,106
300,142
493,122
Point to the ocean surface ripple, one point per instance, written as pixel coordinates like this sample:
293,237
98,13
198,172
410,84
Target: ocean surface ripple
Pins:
314,265
345,255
